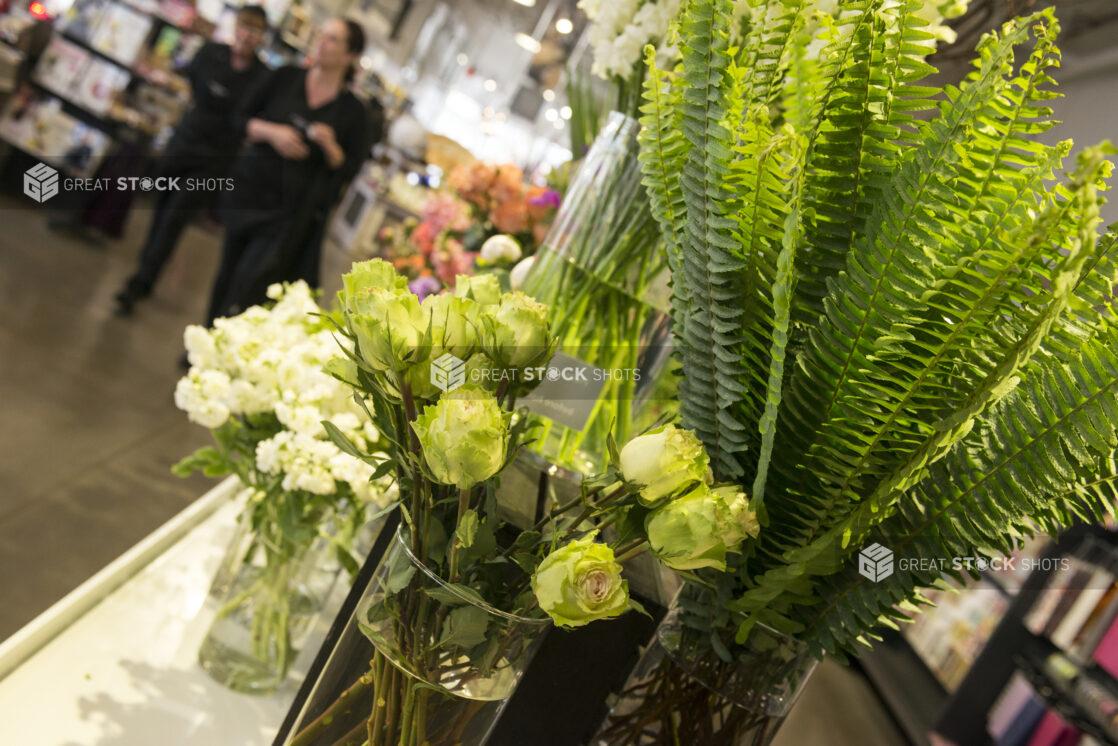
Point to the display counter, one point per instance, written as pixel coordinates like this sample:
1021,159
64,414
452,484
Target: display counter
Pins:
114,662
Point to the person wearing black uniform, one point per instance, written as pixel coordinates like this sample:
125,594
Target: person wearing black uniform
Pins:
308,135
203,146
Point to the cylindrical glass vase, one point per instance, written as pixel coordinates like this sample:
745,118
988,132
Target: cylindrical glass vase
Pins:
267,601
602,272
681,691
443,662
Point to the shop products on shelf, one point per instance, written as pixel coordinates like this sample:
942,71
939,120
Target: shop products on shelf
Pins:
99,86
120,33
1077,610
77,76
35,123
178,12
60,65
82,19
949,637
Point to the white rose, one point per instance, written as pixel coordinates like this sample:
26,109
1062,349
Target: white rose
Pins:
500,249
520,272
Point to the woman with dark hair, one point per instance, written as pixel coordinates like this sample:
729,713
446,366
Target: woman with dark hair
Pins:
307,137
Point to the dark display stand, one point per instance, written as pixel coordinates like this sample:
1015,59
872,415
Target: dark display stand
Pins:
919,704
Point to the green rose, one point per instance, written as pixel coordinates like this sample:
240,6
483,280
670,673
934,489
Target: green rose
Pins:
515,333
580,582
453,322
393,334
464,436
697,530
364,277
664,461
485,290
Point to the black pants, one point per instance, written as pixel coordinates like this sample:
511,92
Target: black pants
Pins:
173,212
256,255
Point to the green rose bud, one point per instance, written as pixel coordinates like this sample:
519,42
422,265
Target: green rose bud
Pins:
664,461
393,333
485,290
515,333
580,582
364,277
697,530
453,322
464,436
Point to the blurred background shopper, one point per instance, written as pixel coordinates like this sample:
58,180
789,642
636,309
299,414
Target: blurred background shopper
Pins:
204,145
307,137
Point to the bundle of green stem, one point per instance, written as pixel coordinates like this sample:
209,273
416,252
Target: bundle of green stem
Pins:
598,270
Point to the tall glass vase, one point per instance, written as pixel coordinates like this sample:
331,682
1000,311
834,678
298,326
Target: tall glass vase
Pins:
443,663
268,596
602,271
681,691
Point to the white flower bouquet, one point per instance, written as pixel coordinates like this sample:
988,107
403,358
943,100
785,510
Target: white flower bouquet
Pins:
258,381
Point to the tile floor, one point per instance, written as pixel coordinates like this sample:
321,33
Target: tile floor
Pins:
89,431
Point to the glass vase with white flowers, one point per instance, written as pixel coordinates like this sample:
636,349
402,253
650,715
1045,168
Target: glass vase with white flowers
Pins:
257,380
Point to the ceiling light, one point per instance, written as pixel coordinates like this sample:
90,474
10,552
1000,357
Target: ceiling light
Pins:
564,26
559,124
463,60
565,112
549,95
527,42
526,3
490,85
551,115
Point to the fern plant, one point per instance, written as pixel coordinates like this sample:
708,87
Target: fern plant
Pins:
893,328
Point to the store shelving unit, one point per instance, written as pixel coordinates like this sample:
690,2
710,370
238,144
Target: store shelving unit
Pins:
902,678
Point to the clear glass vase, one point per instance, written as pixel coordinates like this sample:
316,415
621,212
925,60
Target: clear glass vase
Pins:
267,600
443,663
602,271
681,691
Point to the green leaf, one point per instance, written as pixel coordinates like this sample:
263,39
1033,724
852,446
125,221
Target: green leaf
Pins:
400,572
454,594
464,627
467,529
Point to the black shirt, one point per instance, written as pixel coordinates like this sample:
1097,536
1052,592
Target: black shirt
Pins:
295,189
209,128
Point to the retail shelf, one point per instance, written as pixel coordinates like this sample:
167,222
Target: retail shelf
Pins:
1060,694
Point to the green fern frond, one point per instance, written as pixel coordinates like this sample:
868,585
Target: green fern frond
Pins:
878,310
827,553
711,338
863,128
1044,455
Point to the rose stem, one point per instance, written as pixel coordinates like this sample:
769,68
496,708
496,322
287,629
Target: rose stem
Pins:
340,706
633,549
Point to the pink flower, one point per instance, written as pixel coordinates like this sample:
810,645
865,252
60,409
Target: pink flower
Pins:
443,211
451,261
424,237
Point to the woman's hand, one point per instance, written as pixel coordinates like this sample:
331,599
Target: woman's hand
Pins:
323,134
284,139
288,142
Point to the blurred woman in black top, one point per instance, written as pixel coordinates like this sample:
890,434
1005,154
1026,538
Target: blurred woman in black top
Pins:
308,136
204,145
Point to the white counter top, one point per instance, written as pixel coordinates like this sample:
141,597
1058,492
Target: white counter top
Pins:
114,663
